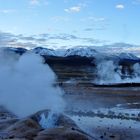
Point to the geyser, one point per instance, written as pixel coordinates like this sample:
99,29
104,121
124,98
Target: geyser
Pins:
109,72
27,85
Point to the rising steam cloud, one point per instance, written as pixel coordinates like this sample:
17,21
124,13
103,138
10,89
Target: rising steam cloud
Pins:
26,85
109,72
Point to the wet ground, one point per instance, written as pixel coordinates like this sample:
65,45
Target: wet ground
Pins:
95,97
106,113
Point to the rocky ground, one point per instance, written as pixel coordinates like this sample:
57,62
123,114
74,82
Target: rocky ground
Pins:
92,113
32,127
105,113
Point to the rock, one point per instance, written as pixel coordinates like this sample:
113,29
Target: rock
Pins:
5,114
64,128
110,136
62,133
25,128
65,121
4,124
37,116
62,120
16,139
30,128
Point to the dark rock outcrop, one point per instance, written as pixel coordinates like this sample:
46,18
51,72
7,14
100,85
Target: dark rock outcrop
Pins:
5,114
25,128
62,133
4,124
30,128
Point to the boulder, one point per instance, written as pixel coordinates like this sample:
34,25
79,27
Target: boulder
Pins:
37,116
25,128
60,119
4,124
5,114
62,133
63,128
65,121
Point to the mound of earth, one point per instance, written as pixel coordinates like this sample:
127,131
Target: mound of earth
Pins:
31,127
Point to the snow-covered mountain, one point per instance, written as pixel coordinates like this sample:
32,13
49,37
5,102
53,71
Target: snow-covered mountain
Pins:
106,52
127,56
118,48
11,49
83,52
120,45
44,51
87,52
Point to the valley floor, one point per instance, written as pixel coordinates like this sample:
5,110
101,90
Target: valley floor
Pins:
106,113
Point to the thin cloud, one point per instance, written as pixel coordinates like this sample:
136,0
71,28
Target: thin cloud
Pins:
59,18
74,9
7,11
62,37
93,41
88,29
34,2
102,28
96,19
6,39
11,40
120,6
136,2
39,2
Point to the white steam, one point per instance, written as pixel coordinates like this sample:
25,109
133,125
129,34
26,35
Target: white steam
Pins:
108,72
27,85
136,69
48,122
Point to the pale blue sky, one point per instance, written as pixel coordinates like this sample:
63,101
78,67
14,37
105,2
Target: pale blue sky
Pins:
89,22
